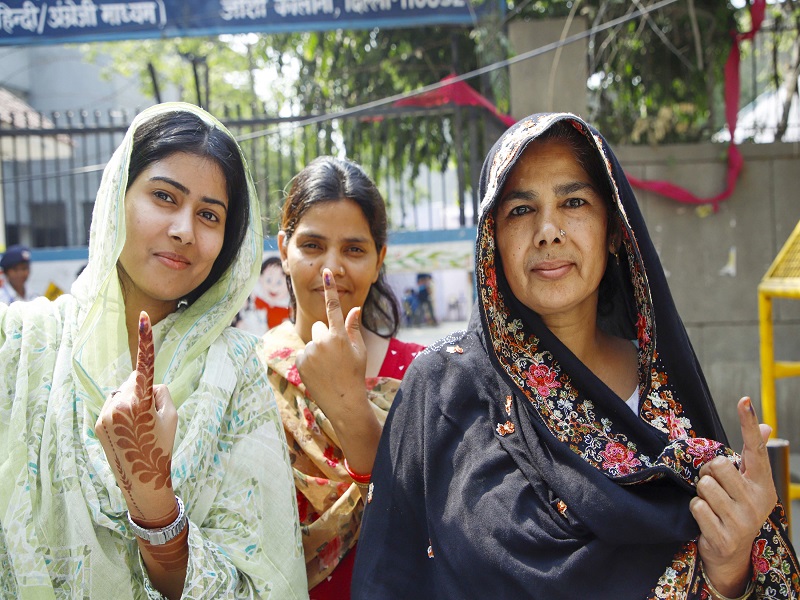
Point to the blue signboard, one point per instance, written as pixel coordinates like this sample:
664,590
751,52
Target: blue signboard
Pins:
63,21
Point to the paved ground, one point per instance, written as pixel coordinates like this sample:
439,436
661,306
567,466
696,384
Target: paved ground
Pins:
428,335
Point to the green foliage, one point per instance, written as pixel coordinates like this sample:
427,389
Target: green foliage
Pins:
225,68
342,69
314,73
654,79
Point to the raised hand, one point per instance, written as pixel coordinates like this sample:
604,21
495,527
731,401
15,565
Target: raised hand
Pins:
333,367
136,428
732,504
334,363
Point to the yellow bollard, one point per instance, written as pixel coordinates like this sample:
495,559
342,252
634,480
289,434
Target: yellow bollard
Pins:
768,411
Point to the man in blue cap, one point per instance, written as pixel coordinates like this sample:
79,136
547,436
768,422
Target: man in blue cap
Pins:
16,266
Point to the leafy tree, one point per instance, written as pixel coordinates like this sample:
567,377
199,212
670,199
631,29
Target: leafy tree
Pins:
325,72
223,69
653,79
656,78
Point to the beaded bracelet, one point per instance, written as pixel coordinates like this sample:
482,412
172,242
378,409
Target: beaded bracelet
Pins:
361,481
718,595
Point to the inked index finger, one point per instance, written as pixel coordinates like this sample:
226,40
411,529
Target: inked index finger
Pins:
333,307
755,460
145,362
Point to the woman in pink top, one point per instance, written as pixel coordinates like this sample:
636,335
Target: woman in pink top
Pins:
336,368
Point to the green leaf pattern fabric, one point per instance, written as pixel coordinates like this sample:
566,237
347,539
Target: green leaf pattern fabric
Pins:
63,527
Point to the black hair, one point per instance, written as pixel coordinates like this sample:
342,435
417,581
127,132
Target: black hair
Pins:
329,179
272,261
180,131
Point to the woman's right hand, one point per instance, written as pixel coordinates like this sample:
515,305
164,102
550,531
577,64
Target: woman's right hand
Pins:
731,506
136,428
333,368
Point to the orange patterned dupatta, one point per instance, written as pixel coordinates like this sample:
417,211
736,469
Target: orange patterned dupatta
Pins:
330,504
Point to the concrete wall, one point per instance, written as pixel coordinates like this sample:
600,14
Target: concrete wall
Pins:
715,262
548,82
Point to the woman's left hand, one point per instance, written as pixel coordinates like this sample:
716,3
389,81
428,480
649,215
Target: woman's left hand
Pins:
136,428
731,506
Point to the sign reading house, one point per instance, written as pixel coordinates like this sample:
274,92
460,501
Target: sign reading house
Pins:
63,21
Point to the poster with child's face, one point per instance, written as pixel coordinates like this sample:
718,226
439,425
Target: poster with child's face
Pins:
269,304
271,287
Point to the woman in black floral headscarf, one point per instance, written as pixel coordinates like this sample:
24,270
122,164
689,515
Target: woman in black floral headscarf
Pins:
566,445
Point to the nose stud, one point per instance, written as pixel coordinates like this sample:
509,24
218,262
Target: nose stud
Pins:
563,233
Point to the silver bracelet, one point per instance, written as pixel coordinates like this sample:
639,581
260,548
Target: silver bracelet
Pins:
751,586
160,536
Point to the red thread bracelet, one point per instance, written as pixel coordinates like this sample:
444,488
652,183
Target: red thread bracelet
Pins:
365,479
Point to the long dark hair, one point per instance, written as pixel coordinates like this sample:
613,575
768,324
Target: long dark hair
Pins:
329,179
181,131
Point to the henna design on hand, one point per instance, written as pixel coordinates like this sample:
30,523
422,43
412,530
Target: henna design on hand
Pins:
125,483
135,426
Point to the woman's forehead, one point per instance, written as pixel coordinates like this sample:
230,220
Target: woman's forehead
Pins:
334,219
511,145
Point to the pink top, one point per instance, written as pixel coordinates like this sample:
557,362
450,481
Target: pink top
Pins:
337,587
398,356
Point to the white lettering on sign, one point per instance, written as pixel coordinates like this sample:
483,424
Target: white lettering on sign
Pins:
243,9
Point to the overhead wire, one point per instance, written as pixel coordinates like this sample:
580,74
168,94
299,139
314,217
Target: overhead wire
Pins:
368,106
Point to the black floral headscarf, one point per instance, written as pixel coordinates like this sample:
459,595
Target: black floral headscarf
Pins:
507,469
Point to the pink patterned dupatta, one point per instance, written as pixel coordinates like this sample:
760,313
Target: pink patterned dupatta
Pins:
330,504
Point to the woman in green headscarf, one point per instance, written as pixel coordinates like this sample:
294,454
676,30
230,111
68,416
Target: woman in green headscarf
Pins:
111,486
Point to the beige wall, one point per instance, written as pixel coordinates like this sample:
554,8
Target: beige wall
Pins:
547,82
720,308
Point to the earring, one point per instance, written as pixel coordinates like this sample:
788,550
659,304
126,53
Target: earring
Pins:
563,233
616,257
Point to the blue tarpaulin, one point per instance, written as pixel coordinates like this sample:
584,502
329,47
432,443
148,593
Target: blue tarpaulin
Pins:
64,21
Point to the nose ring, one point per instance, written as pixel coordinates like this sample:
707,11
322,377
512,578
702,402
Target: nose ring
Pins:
563,233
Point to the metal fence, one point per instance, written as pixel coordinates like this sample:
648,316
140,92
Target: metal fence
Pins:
426,161
768,79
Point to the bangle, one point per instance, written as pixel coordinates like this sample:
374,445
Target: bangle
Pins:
361,481
751,586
